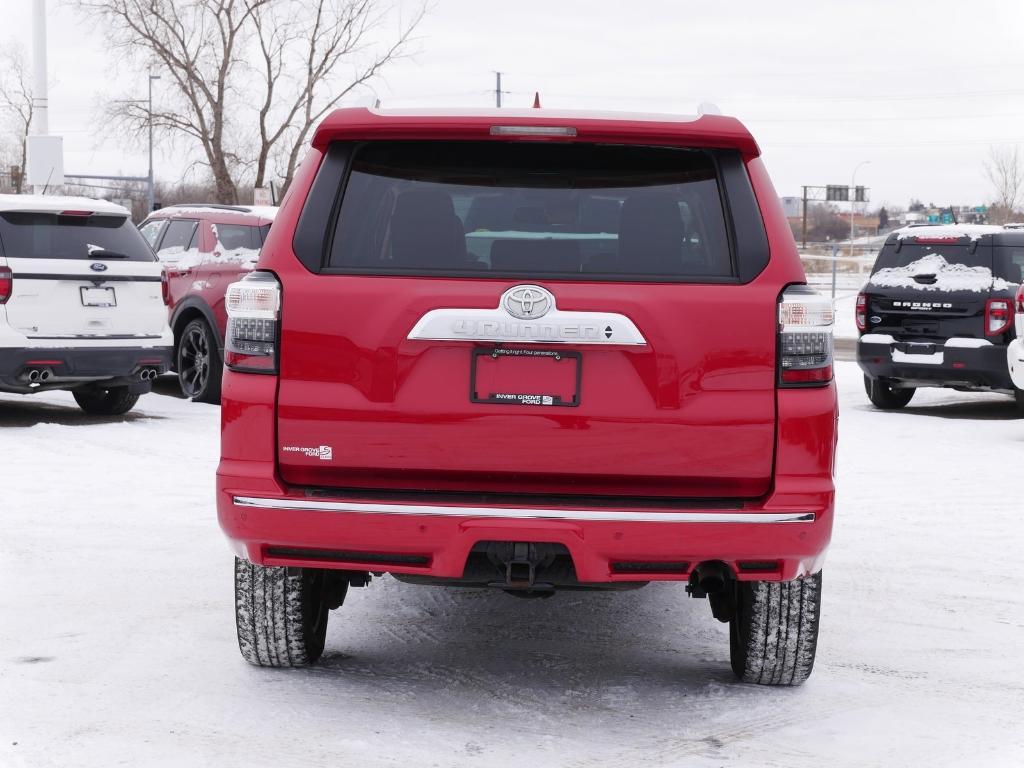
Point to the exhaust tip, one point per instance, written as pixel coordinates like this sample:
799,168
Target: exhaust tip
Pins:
45,375
34,375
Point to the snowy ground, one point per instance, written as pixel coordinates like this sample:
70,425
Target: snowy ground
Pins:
117,641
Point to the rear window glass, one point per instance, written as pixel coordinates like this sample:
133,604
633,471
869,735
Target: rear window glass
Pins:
1008,263
910,255
235,236
530,209
54,236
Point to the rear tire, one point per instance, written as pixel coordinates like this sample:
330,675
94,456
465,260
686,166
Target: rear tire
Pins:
886,397
1018,397
112,401
198,363
773,635
280,614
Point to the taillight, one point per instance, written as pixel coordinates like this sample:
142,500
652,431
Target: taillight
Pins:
6,284
998,316
1020,300
862,312
253,305
165,287
805,338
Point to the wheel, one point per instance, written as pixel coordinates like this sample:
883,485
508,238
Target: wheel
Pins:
1018,396
112,401
774,633
280,614
198,363
884,396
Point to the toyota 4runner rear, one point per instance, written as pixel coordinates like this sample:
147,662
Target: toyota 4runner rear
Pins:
938,311
530,351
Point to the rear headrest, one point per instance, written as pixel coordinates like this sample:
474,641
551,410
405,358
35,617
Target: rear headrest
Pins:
651,233
425,231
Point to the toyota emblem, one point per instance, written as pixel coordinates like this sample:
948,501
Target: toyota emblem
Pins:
527,302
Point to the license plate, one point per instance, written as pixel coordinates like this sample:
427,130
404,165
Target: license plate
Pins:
525,377
98,297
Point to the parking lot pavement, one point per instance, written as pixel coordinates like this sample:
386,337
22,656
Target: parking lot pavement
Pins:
117,640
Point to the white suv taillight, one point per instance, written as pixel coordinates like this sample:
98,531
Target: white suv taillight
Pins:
805,338
6,284
1020,312
998,316
862,312
254,306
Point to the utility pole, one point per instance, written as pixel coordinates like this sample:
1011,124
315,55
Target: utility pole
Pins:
40,102
803,227
497,89
853,199
149,207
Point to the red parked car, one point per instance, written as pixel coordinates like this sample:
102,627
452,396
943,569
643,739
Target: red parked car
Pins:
204,248
533,351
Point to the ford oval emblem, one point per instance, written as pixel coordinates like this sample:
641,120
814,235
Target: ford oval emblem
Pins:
98,267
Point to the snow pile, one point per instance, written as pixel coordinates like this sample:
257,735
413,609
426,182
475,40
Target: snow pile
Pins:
177,257
948,277
973,231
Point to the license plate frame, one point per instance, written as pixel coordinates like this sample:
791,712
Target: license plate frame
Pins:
94,296
539,399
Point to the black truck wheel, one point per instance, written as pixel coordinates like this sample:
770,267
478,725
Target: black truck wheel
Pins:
773,634
280,614
198,363
886,397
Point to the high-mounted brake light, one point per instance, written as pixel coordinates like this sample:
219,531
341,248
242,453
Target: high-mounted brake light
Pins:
937,240
532,130
998,316
6,284
805,338
76,213
861,314
253,306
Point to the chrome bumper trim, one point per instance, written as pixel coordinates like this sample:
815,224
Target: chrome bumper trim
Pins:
313,505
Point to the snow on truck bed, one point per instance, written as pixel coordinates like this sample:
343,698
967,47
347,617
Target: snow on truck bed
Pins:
117,634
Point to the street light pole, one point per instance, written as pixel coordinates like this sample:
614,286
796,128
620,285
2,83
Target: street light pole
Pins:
853,199
149,209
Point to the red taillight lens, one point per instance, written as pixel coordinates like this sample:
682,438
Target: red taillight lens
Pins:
6,284
1020,300
862,312
805,338
253,305
998,316
165,287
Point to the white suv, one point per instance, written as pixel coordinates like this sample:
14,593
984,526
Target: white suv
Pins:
82,302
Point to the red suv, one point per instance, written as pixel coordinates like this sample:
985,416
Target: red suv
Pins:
204,248
530,351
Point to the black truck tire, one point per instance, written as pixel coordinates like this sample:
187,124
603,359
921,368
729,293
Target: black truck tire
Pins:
886,397
113,401
280,614
773,635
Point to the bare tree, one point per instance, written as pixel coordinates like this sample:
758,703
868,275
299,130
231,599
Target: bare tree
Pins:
16,103
1005,171
302,47
270,64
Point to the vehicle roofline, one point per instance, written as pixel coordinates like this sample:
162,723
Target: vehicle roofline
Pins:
710,131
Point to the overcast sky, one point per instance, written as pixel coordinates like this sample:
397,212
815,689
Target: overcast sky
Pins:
920,89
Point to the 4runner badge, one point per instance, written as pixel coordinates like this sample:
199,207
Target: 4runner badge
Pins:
323,452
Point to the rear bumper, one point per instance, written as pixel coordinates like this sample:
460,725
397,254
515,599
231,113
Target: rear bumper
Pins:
969,363
73,366
278,526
